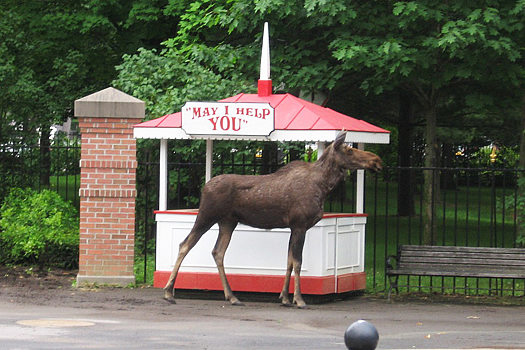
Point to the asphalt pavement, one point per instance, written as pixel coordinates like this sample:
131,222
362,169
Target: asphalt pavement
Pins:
140,319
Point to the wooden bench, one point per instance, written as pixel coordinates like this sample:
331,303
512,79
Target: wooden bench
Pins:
447,261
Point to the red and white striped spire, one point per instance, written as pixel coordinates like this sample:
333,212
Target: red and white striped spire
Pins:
265,83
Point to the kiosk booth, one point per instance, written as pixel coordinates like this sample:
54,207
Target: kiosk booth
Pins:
333,255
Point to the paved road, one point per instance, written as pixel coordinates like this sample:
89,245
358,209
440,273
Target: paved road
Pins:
139,319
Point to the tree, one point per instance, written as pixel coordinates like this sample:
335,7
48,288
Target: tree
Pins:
456,63
52,58
52,53
439,54
165,82
433,50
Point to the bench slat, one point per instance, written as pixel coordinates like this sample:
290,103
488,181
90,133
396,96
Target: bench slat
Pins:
457,248
495,255
444,263
461,261
459,273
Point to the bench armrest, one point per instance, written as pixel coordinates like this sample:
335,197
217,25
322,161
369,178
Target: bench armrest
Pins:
390,262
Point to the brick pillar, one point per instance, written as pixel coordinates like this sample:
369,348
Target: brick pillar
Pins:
107,186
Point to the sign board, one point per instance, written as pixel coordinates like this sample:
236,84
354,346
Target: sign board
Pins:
228,118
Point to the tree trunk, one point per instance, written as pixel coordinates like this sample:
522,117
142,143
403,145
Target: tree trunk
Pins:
405,196
430,178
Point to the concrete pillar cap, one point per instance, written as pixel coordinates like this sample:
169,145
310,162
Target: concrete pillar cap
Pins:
109,102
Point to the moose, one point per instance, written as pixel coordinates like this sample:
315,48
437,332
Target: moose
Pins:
292,197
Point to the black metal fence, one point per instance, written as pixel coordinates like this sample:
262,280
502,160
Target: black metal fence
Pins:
468,206
54,167
481,207
185,181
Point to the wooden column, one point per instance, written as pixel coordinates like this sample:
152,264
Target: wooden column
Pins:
107,186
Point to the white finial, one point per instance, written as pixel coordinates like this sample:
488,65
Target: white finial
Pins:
265,55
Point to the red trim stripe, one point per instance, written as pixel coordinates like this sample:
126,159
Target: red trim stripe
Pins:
263,283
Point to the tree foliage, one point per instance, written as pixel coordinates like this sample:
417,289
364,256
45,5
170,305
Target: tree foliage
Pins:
53,53
457,66
166,81
447,56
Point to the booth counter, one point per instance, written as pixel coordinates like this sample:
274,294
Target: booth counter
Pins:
333,255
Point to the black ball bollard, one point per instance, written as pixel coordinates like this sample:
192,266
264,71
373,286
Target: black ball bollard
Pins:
361,335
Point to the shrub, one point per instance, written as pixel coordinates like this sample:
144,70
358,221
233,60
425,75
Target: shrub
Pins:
40,228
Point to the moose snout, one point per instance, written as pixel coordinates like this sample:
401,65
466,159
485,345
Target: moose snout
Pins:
376,165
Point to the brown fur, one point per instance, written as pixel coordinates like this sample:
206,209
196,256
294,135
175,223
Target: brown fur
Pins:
291,197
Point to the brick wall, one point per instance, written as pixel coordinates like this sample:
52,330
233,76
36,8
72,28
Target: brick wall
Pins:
107,197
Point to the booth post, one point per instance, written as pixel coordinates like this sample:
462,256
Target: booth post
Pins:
107,186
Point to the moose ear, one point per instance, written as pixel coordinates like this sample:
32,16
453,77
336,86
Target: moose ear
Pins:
340,139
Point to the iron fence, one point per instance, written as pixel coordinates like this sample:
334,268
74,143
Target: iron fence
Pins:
480,207
53,167
185,181
469,207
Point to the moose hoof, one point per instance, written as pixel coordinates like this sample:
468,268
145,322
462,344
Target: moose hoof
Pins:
301,304
236,302
170,300
169,297
285,301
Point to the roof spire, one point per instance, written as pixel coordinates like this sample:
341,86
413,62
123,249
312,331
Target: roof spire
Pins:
265,55
265,83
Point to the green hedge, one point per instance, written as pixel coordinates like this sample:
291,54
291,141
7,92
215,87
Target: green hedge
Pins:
38,228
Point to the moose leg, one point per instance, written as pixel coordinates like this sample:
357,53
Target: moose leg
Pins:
223,241
296,247
295,259
285,297
184,248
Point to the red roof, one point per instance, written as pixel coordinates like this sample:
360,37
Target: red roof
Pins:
291,113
